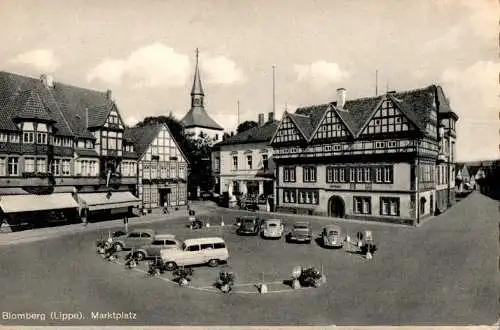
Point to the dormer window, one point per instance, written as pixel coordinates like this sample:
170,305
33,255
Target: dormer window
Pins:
379,144
337,147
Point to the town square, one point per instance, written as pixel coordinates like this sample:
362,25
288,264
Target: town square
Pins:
199,164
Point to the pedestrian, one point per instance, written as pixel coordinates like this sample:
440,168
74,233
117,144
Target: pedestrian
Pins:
84,217
125,222
165,208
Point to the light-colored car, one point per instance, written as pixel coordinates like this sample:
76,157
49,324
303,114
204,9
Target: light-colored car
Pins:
272,228
134,239
332,236
160,242
196,251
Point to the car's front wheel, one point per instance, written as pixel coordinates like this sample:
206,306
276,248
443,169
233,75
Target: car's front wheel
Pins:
170,265
213,262
140,255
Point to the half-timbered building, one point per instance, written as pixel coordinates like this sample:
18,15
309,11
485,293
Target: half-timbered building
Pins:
162,167
389,157
62,152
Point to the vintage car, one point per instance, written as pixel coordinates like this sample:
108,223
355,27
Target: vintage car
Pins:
301,232
272,228
332,236
248,225
134,239
196,251
160,242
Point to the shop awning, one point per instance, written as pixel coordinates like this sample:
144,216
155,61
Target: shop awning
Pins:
30,203
101,201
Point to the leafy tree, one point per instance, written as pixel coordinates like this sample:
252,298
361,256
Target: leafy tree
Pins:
246,125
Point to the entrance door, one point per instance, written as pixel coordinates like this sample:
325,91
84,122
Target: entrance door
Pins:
164,194
431,205
336,207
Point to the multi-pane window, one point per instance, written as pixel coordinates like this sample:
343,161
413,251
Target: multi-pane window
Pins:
333,174
13,166
387,119
249,162
342,174
359,175
29,165
146,172
308,197
352,175
41,165
154,171
28,137
56,167
288,174
182,171
289,196
4,137
362,205
367,174
66,171
309,174
173,170
163,170
3,169
265,164
41,138
389,206
14,138
379,175
235,162
388,175
380,144
217,164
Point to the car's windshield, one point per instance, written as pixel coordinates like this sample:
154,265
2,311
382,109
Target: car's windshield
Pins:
272,225
300,226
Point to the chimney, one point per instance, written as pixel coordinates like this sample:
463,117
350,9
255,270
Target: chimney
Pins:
341,95
108,94
48,81
270,116
261,119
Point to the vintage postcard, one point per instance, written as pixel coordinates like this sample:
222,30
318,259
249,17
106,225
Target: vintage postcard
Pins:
220,164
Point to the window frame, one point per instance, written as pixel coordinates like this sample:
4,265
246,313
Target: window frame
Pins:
362,201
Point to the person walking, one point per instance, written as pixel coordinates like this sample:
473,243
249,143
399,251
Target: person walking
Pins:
165,208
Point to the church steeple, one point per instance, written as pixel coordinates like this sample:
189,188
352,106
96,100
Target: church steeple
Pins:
197,93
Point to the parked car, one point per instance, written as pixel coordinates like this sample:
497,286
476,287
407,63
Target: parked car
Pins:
272,228
248,225
332,236
196,251
301,232
134,239
160,242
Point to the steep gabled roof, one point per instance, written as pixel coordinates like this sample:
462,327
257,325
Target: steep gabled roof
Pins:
255,134
198,117
64,104
414,104
143,136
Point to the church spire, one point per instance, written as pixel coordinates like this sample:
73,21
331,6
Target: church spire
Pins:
197,88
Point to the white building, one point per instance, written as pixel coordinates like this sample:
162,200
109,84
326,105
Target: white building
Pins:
197,121
243,164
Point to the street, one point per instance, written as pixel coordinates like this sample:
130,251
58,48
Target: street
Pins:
443,273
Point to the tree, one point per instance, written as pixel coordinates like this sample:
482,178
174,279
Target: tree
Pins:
246,125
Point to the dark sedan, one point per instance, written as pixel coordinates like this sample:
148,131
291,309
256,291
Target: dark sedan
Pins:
248,225
301,232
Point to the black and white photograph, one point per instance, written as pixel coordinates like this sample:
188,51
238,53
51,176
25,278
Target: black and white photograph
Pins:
245,163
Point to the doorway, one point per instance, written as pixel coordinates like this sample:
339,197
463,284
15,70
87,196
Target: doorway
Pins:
164,196
422,205
431,205
336,207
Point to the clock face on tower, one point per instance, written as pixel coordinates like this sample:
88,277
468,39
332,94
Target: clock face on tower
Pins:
197,102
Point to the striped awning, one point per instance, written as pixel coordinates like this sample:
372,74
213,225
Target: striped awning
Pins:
103,201
30,203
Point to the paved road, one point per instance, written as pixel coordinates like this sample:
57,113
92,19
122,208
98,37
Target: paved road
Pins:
444,272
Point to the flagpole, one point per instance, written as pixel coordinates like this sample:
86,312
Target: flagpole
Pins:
274,92
376,82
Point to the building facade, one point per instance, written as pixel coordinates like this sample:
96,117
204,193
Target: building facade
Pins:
385,158
197,121
62,152
162,167
243,163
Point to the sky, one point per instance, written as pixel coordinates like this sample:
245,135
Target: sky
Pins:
144,51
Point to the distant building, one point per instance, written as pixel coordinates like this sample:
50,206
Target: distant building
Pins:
197,121
462,180
62,152
162,167
386,158
243,163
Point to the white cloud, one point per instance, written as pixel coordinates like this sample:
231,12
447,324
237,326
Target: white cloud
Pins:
473,94
158,65
41,59
221,70
150,66
320,73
